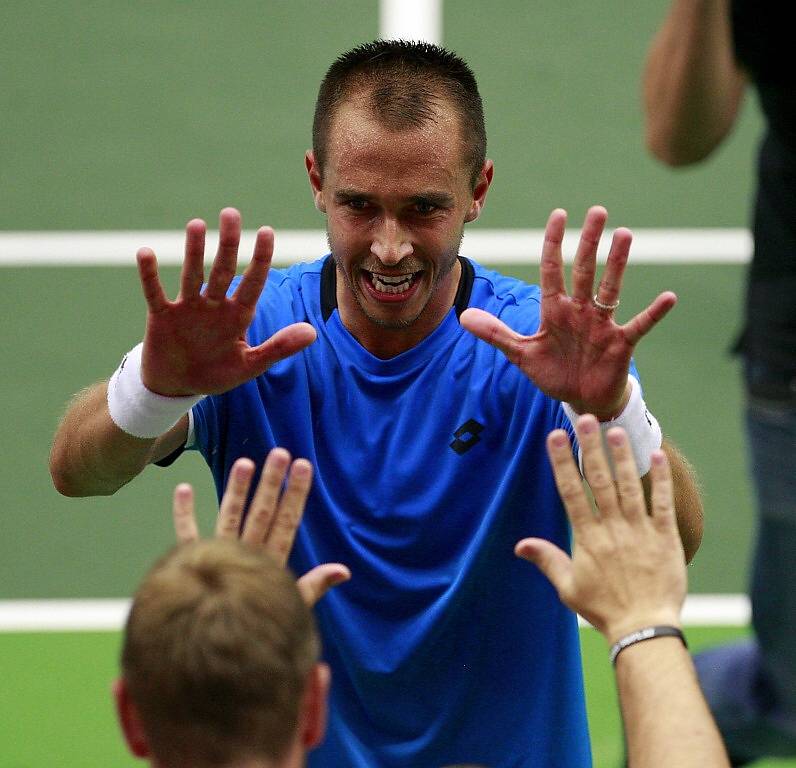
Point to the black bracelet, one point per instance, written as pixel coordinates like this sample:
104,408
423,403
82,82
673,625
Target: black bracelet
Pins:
648,633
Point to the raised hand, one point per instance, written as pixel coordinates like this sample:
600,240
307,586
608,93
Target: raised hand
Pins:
628,567
196,345
579,355
273,517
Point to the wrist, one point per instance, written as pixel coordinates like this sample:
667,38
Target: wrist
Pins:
629,624
642,428
644,635
607,412
138,411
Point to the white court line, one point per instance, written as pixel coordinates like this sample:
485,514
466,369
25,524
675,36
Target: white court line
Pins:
712,611
110,615
489,246
419,20
62,615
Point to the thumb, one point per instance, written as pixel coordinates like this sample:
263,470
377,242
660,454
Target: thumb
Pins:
490,329
314,584
549,559
284,343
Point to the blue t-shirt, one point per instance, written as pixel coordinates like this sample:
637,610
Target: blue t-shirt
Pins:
429,467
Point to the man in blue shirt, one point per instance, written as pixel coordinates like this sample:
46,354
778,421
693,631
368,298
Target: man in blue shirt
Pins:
429,444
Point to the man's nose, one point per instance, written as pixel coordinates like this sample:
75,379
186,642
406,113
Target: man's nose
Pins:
390,243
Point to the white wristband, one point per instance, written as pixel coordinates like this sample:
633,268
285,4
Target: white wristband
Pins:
641,427
136,409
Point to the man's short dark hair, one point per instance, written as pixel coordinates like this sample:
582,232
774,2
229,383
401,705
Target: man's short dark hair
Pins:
403,84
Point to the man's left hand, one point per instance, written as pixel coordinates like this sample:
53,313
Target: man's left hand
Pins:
579,355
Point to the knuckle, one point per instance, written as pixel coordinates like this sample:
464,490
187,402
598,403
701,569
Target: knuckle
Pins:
288,520
230,522
259,515
631,491
600,479
662,508
570,489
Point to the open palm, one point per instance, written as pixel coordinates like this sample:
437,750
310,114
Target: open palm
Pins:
196,344
579,355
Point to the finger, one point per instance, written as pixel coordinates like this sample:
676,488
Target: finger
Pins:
585,265
646,320
493,331
568,480
193,269
262,509
234,499
611,283
251,286
628,483
290,511
662,495
595,465
550,560
285,342
551,268
155,297
314,584
183,514
226,259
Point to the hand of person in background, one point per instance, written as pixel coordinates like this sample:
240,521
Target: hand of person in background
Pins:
579,355
628,566
196,344
273,516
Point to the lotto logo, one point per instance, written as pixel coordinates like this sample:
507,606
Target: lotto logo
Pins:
467,435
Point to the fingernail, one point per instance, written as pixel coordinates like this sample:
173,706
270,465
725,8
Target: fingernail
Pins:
279,456
559,439
588,426
616,438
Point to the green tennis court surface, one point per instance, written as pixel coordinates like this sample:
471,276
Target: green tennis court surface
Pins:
56,707
136,116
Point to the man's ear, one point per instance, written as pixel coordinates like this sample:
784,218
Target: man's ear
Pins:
481,188
314,172
312,718
129,720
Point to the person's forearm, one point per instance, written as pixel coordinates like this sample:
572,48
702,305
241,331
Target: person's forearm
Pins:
91,456
667,721
687,500
692,84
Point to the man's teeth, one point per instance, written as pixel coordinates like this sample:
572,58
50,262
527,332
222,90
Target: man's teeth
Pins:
391,283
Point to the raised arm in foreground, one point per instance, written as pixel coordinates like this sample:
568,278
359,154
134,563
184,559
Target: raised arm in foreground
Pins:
193,346
627,577
272,519
692,84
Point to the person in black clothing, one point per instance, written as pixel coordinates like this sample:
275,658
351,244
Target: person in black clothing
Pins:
703,59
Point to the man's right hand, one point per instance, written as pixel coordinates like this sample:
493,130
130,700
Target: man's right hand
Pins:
196,345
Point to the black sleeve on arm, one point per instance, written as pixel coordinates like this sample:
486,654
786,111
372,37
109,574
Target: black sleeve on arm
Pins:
167,461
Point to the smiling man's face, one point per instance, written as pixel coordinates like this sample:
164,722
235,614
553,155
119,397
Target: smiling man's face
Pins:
396,204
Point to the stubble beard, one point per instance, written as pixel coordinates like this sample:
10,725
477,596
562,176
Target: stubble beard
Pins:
447,259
